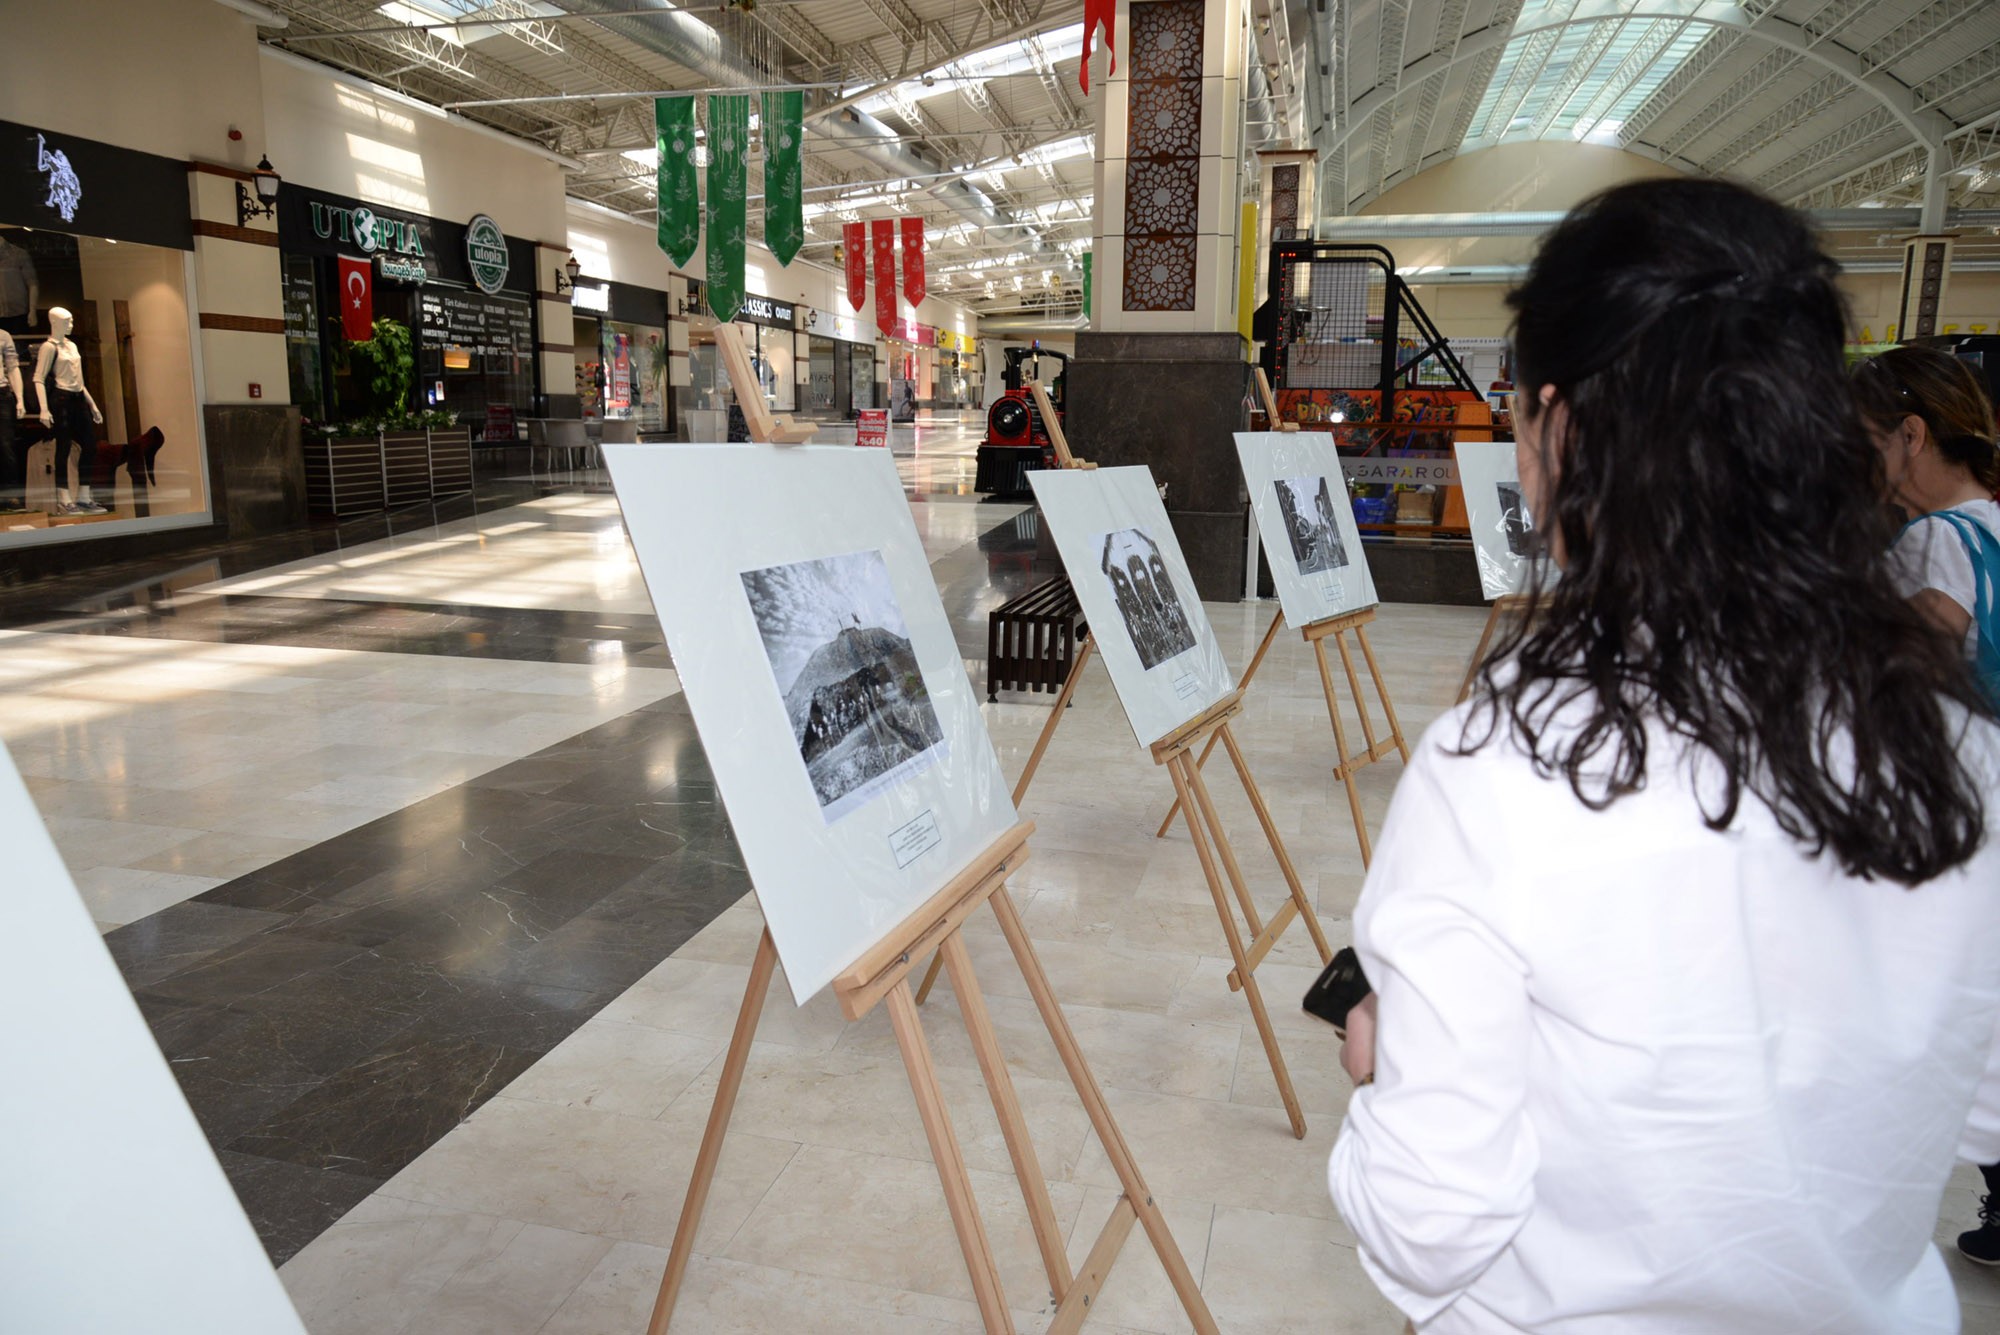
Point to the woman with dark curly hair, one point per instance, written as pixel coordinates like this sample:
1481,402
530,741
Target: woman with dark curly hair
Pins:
1681,929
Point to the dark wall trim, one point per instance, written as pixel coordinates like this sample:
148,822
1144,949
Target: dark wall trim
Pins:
242,324
556,347
218,169
249,236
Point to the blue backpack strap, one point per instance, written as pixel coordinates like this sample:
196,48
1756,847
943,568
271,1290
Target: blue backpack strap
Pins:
1983,548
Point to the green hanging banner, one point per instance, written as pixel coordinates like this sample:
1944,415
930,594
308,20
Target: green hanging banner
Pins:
784,176
1086,284
728,216
680,205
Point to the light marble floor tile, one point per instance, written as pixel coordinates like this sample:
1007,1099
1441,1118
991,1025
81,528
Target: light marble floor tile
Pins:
207,761
118,895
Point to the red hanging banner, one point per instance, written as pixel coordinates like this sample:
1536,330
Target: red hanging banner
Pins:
884,232
357,300
854,256
913,261
1094,13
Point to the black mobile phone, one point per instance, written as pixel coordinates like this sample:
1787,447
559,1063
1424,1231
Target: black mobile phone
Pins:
1340,987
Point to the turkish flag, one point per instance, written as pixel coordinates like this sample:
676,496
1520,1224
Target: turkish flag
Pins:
854,255
913,261
357,300
884,233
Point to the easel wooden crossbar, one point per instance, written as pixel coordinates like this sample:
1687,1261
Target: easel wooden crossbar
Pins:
757,416
882,974
1347,762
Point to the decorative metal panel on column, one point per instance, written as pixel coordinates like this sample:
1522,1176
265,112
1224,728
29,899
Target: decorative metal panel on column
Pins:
1290,189
1163,162
1169,133
1926,270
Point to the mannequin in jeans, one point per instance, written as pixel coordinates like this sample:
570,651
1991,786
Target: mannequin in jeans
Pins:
65,405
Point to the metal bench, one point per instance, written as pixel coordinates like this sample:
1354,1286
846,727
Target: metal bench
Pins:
1032,640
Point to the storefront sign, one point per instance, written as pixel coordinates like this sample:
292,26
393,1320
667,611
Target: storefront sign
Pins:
405,271
405,247
486,253
1437,470
872,427
763,310
84,188
591,297
367,232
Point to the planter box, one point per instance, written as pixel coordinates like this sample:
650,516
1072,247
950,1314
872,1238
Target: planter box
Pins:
451,461
344,475
406,468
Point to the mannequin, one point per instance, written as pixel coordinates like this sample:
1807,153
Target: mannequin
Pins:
20,289
13,477
65,403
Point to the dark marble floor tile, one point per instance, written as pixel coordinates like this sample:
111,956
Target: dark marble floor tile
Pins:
247,969
290,1204
376,1116
179,937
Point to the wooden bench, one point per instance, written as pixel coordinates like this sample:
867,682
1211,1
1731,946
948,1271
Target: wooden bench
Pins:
1032,640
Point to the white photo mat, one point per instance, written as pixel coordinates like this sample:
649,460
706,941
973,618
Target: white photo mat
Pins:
1502,528
1305,518
824,679
118,1216
1164,660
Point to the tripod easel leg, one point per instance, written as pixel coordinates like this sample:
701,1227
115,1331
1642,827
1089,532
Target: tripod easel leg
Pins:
1291,872
1027,777
1382,691
1345,769
710,1153
1007,1107
1138,1196
965,1220
1479,651
1188,787
1354,689
1256,661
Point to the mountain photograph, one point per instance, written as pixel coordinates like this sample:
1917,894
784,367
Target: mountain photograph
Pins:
841,655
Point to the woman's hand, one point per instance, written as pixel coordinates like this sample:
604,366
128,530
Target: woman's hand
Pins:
1357,1054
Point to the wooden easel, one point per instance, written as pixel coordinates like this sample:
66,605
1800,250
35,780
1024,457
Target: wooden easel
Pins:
1506,605
1270,402
883,972
762,423
1317,634
1053,425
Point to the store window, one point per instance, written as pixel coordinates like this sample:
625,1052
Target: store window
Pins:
476,352
634,361
101,334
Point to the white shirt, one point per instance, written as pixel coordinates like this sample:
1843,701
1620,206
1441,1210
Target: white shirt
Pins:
1931,555
1634,1075
63,357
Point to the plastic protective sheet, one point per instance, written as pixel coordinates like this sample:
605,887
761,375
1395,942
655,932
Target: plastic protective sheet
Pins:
1503,531
118,1217
824,679
1137,595
1306,521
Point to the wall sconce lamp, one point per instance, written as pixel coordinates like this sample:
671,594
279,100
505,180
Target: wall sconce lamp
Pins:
265,203
572,266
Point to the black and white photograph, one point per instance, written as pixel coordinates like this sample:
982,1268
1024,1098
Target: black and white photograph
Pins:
842,657
1146,598
1521,536
1307,507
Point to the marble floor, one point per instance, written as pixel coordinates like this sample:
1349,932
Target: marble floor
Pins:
446,947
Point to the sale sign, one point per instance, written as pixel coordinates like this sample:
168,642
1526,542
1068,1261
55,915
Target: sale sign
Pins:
872,427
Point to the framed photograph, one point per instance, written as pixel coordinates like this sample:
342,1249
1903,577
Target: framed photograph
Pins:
824,679
1504,539
1306,523
1126,567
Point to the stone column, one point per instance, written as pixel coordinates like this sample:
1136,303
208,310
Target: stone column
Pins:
555,357
1926,270
1160,376
256,472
